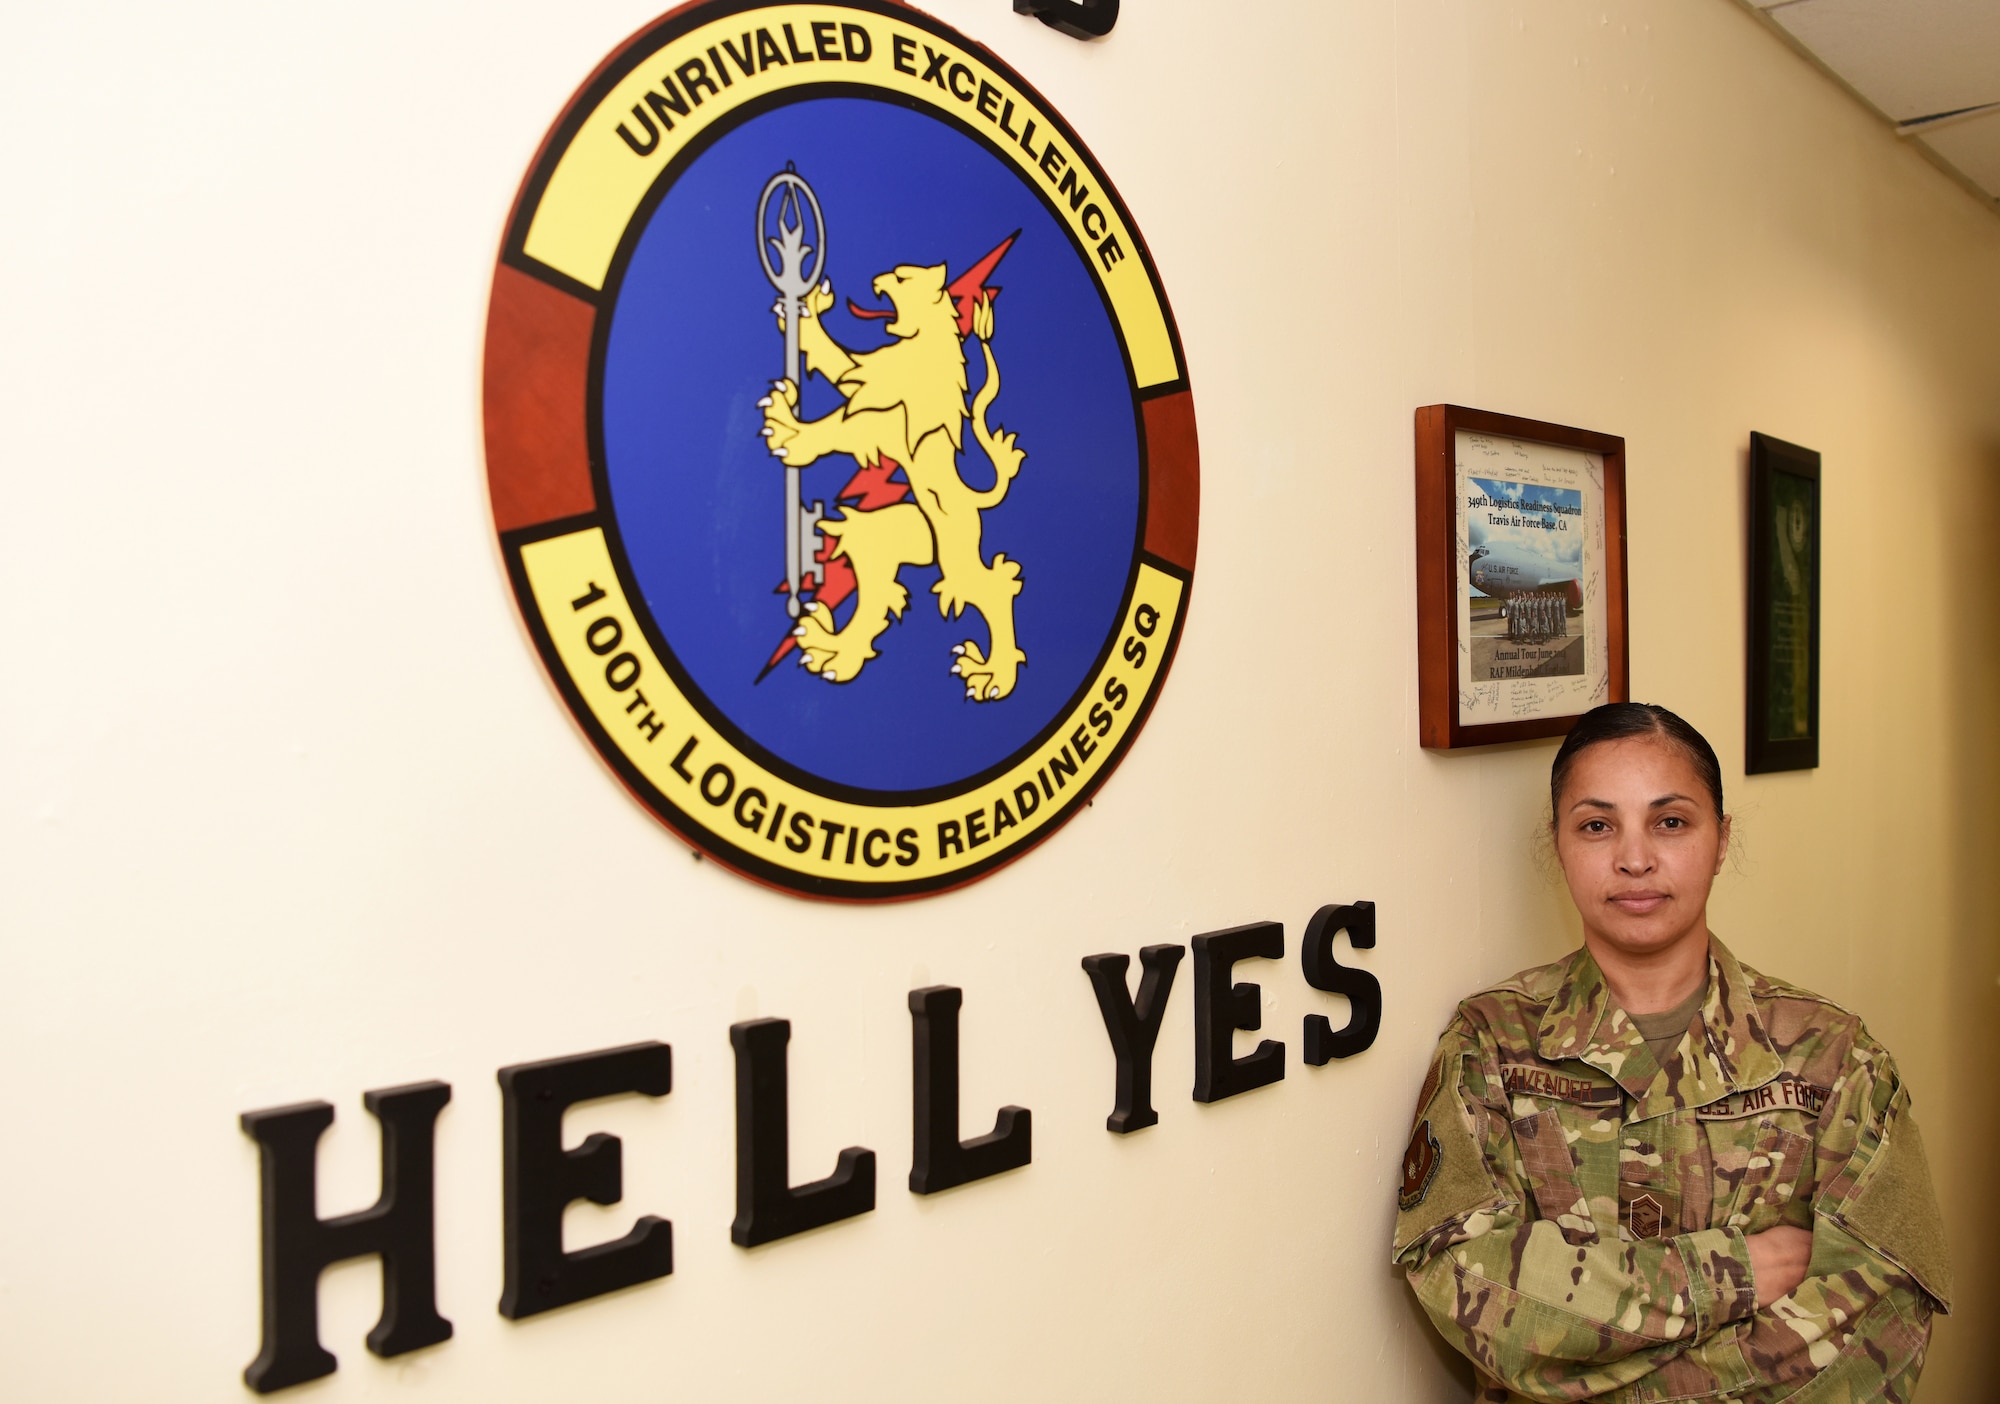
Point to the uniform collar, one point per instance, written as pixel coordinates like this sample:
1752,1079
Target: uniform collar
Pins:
1584,1021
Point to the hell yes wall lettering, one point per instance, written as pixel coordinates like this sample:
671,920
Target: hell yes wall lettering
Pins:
541,1178
852,512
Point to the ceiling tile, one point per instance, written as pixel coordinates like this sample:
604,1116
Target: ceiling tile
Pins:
1911,58
1973,147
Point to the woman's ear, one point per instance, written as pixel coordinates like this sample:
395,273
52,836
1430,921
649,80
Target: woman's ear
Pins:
1722,843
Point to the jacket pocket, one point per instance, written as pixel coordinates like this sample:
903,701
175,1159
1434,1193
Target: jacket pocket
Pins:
1551,1171
1651,1170
1776,1160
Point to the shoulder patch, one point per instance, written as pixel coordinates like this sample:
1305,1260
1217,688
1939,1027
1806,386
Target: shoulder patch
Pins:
1420,1166
1444,1175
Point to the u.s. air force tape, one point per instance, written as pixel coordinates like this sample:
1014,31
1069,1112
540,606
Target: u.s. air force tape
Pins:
1780,1094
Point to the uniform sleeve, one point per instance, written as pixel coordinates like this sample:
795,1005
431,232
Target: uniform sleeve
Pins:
1857,1327
1547,1318
1880,1192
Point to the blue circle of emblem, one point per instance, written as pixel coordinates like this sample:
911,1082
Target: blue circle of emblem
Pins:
698,501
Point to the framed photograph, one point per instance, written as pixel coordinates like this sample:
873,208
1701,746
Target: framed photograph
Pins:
1783,724
1520,576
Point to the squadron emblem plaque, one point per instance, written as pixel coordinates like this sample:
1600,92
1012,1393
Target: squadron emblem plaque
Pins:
840,445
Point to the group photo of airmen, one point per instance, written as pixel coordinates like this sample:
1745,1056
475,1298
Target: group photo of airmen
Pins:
1533,618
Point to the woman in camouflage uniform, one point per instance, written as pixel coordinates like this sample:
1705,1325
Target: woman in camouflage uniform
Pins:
1648,1172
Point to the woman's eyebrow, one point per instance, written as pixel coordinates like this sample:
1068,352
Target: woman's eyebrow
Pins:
1595,804
1669,799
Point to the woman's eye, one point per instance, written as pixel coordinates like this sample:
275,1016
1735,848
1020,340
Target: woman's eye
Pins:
1673,821
1596,826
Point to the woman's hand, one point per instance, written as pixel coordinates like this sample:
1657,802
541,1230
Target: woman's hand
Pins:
1778,1260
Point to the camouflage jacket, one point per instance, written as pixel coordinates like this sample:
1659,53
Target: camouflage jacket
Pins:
1573,1215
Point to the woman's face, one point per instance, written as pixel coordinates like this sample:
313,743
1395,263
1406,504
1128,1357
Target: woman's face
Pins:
1640,844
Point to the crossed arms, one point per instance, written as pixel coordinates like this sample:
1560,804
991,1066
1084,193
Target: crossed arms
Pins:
1556,1316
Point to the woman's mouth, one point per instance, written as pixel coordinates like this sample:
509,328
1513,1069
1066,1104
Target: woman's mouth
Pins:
1638,903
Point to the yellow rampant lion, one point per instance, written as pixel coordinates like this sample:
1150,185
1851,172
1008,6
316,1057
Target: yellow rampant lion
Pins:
906,404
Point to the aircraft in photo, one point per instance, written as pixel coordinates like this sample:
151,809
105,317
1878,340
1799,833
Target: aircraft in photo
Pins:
1501,570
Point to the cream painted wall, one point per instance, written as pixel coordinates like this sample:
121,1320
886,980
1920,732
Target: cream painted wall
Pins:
291,811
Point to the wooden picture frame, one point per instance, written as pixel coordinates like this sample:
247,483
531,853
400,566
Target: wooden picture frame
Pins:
1542,506
1781,718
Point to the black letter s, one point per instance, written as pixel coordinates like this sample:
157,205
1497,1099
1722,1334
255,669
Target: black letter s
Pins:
1323,972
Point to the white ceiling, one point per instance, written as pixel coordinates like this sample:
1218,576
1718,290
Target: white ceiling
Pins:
1930,66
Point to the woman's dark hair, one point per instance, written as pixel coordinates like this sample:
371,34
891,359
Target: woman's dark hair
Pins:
1621,721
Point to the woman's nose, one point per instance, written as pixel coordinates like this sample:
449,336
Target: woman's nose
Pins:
1635,858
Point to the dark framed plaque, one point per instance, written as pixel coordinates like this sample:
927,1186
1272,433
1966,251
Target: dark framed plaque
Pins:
1521,581
1782,728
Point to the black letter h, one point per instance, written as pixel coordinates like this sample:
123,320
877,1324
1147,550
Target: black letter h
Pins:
298,1244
